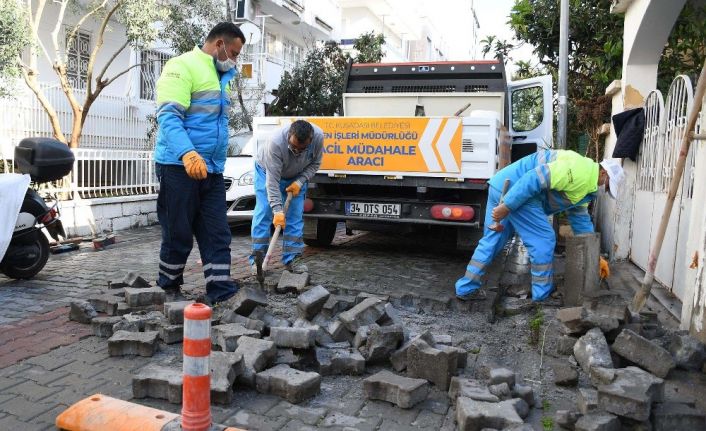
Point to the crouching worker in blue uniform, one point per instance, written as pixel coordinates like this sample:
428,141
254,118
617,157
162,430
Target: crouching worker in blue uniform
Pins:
541,184
193,98
284,164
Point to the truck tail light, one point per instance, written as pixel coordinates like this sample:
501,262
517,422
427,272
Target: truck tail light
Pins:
452,212
308,205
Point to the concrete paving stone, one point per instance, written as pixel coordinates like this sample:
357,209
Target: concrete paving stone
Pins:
449,420
472,415
339,361
501,390
229,316
133,343
643,352
520,406
225,337
688,352
105,303
225,368
133,279
381,343
565,345
470,388
257,355
525,392
461,354
25,409
591,350
361,335
339,332
398,358
336,304
171,334
587,400
502,375
295,337
307,415
160,382
402,391
426,362
337,419
32,391
174,311
290,281
291,384
631,394
253,421
310,303
80,369
40,376
564,374
566,419
256,402
437,402
143,297
348,406
82,311
598,421
10,422
364,313
245,301
382,409
288,357
677,416
103,325
7,382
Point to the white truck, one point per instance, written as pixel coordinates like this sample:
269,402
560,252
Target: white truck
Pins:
417,144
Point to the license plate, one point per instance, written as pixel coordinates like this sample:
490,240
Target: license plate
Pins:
373,210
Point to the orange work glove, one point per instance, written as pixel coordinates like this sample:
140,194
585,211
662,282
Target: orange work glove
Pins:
294,188
195,165
278,220
604,268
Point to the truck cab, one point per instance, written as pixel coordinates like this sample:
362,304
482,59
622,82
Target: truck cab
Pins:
417,144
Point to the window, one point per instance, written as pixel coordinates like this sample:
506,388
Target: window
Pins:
527,108
271,42
240,8
151,64
78,53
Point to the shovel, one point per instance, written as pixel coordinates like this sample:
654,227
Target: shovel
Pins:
278,229
497,227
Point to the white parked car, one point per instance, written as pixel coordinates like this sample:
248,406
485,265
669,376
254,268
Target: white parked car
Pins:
239,177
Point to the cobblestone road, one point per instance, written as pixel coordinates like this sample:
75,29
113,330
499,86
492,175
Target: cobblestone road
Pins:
47,363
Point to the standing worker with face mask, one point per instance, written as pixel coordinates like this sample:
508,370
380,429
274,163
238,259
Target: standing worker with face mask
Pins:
285,164
193,99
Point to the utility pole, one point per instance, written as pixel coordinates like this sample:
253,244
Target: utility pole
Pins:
563,73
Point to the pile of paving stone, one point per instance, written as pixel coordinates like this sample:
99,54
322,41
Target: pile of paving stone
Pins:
626,358
332,335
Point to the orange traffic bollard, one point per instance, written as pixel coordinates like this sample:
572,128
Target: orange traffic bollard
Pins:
196,398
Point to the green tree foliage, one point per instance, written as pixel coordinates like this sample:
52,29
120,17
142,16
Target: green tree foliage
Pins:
315,86
685,51
188,22
14,37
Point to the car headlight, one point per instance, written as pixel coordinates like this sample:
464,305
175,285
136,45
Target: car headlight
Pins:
246,179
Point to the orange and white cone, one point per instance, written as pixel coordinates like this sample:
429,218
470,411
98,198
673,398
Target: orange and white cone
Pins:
196,399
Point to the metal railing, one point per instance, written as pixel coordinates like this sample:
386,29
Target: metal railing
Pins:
104,174
665,127
114,122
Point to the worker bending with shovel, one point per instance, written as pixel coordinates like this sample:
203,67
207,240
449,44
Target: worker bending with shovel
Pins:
283,167
544,183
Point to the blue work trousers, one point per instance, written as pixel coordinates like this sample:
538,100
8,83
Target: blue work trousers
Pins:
531,224
293,241
188,208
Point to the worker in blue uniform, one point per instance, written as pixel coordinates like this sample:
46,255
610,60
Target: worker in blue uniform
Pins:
285,164
544,183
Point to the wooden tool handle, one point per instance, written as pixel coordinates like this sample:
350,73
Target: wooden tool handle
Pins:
278,229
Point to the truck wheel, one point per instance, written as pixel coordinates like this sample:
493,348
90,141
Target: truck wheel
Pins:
325,231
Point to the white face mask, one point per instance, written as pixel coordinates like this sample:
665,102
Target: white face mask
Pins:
225,65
